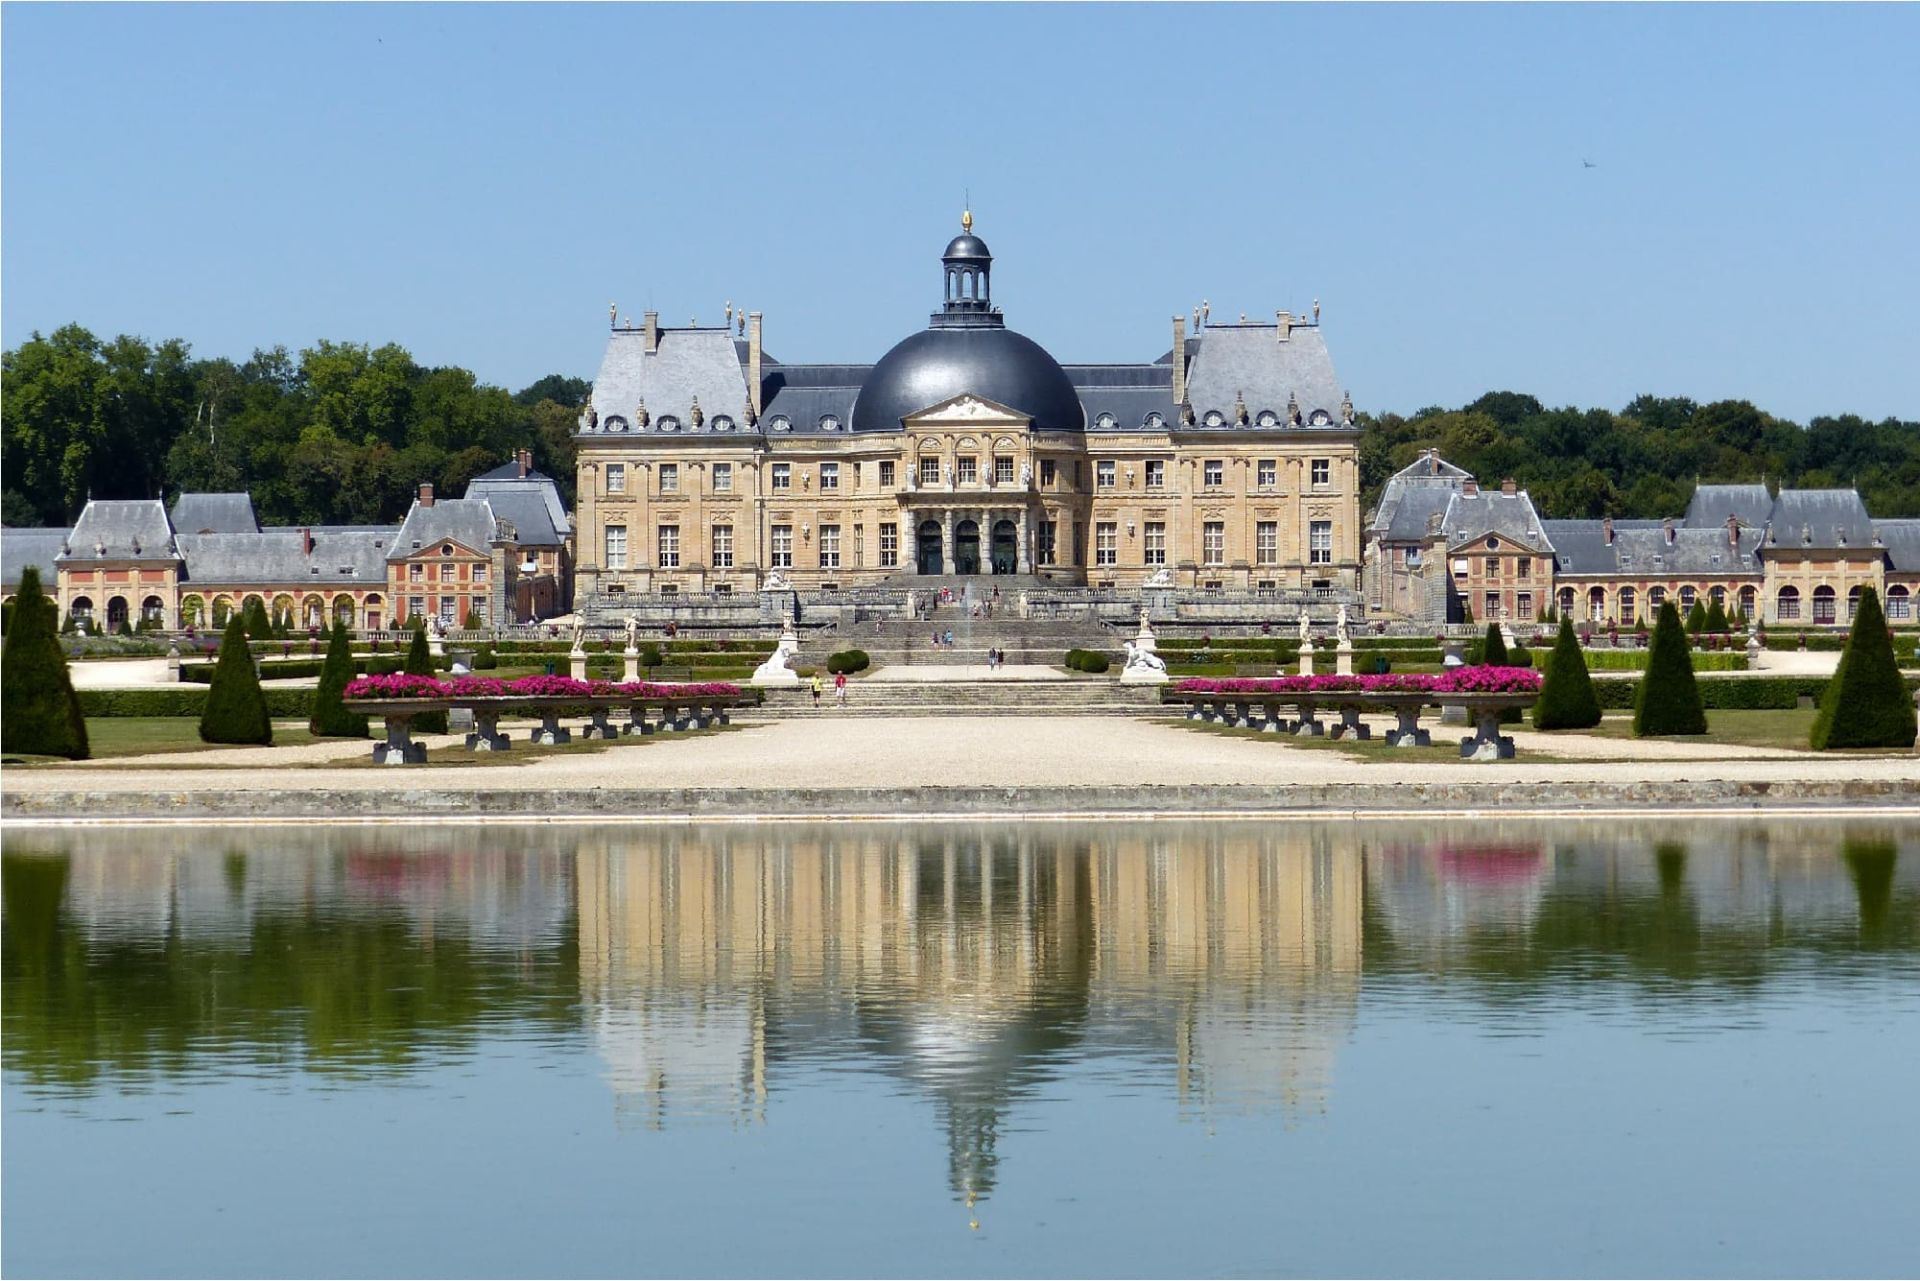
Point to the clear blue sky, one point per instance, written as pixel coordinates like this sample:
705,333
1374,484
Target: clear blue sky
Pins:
477,183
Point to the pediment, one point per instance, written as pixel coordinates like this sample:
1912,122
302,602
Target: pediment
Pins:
966,408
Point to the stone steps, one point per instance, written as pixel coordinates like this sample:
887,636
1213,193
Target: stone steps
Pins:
969,698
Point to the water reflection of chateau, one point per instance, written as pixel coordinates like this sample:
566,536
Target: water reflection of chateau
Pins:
973,963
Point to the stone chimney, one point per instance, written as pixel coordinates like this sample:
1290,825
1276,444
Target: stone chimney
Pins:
426,493
1179,360
1470,487
1508,488
306,541
1733,531
1666,528
1286,324
653,332
753,362
1606,529
525,459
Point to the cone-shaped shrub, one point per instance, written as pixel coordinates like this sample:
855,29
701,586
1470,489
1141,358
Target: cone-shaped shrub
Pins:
1696,619
39,712
1567,700
331,719
1669,701
236,709
1493,650
259,626
420,663
1867,703
1717,619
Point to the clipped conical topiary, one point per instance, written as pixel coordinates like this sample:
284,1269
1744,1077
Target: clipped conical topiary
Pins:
331,719
1696,619
39,712
1493,650
1867,703
1567,700
420,663
254,616
236,709
1669,700
1717,622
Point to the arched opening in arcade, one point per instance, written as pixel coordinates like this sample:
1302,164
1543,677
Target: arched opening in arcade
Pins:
1006,548
966,547
117,610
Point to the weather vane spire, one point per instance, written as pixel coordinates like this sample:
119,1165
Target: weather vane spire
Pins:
966,211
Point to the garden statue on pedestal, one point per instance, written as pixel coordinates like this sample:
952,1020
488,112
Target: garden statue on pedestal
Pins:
1144,640
631,654
1343,647
777,670
1144,667
1306,644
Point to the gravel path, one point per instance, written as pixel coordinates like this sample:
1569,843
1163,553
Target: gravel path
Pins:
935,750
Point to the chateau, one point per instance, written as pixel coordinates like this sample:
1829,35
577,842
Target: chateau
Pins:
707,466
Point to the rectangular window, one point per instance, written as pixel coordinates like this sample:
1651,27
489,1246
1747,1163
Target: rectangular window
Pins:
1076,481
969,469
1047,471
1213,473
1156,542
1213,542
723,547
829,546
1156,474
616,478
1103,474
1106,542
1049,535
783,475
1523,605
889,543
1524,567
1322,472
1002,470
829,476
416,573
1267,472
929,471
723,478
859,546
1266,542
782,551
479,573
854,478
886,473
1493,567
1492,605
416,607
669,478
1320,542
669,543
616,547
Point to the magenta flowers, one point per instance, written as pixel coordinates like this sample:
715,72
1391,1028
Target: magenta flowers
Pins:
1460,680
400,685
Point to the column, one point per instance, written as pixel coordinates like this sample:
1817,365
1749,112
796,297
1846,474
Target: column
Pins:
1020,541
951,525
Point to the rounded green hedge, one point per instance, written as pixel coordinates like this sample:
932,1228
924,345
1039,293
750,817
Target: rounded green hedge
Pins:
848,661
1087,660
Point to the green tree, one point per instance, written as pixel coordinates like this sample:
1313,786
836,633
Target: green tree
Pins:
1567,699
1867,703
1493,647
236,710
331,719
254,619
1696,618
420,663
39,711
1669,698
1717,622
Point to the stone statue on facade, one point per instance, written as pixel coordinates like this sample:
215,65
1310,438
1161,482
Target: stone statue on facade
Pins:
775,581
1026,475
1161,577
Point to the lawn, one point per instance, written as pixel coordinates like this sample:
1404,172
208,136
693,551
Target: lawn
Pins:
1781,728
138,735
1375,751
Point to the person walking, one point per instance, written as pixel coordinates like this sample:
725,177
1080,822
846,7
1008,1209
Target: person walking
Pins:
840,688
816,689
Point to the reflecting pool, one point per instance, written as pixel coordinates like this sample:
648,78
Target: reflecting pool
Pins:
1622,1047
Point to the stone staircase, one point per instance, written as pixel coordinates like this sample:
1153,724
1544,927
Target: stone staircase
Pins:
1080,696
908,642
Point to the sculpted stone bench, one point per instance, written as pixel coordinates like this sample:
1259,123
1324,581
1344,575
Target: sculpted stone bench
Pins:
1486,743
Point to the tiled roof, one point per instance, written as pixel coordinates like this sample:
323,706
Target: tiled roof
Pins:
687,364
278,555
1902,538
20,548
214,514
525,507
1712,504
466,521
1640,548
1250,363
1824,518
121,529
1414,495
1473,516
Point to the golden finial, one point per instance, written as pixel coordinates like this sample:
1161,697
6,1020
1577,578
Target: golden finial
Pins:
966,221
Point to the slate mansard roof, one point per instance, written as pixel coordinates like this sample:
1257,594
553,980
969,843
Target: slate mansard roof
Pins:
1901,537
531,503
466,521
20,548
1415,498
1512,516
215,514
279,556
121,529
1640,548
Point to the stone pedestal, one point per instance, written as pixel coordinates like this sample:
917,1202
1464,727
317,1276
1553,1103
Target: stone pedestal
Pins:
173,663
1343,659
631,672
1306,659
598,726
399,749
1453,713
551,733
579,664
486,736
777,670
436,644
1350,726
1486,743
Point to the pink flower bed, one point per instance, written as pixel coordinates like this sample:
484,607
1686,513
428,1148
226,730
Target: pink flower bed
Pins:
401,685
1460,680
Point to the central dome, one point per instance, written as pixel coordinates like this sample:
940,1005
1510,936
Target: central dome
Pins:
968,351
992,363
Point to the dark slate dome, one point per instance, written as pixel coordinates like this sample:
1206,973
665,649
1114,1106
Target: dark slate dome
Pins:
968,246
992,363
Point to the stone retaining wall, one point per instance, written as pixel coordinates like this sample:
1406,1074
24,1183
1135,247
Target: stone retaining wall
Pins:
1328,799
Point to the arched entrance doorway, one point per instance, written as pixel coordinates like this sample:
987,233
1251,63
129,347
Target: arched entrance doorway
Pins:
1006,548
116,613
966,548
929,550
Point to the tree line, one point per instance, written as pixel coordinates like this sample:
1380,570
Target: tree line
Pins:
1645,460
341,433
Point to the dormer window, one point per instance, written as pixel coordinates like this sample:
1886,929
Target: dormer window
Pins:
669,423
1215,418
1321,418
829,423
781,422
1155,422
722,423
613,422
1105,422
1268,418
